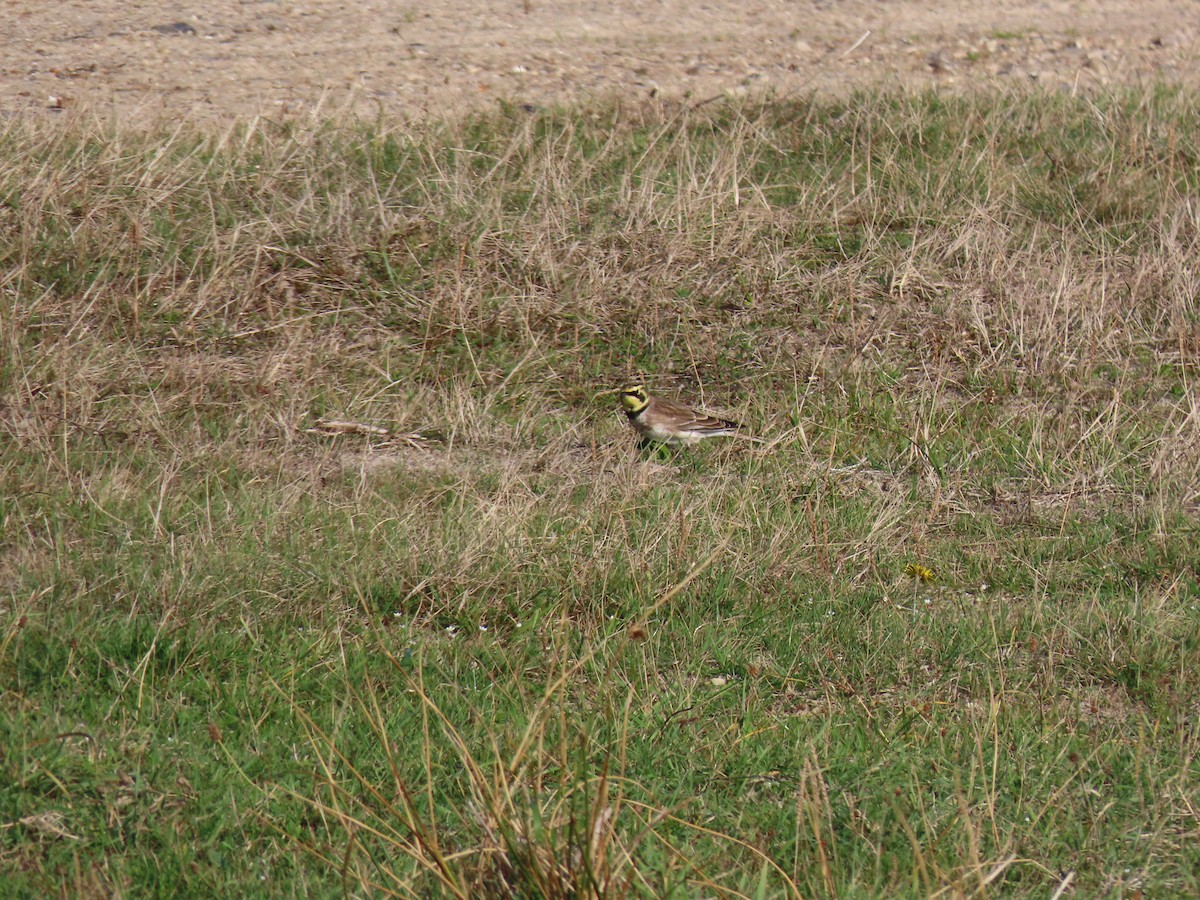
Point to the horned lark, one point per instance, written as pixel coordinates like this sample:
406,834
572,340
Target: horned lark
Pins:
668,422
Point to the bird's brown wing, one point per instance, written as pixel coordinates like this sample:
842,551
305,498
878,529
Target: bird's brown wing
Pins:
687,419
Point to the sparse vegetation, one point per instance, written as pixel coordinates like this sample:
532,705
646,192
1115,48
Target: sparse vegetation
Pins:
937,636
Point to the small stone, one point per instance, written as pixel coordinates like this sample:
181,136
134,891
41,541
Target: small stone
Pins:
1171,40
174,28
938,63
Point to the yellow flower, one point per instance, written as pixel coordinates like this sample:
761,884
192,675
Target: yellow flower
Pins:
921,572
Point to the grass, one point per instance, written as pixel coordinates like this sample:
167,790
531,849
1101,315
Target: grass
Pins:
937,636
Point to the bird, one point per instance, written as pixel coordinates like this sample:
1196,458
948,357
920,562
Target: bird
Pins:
667,422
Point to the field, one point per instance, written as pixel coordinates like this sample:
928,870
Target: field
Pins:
329,566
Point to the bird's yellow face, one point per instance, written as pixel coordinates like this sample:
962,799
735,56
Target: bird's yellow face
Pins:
634,399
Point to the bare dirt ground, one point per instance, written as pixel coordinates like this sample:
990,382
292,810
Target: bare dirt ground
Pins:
223,58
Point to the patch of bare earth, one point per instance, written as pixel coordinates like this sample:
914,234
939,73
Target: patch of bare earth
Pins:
265,57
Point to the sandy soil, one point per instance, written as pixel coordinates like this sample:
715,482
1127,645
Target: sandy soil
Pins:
224,58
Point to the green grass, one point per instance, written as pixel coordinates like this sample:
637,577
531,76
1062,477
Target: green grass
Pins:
497,652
